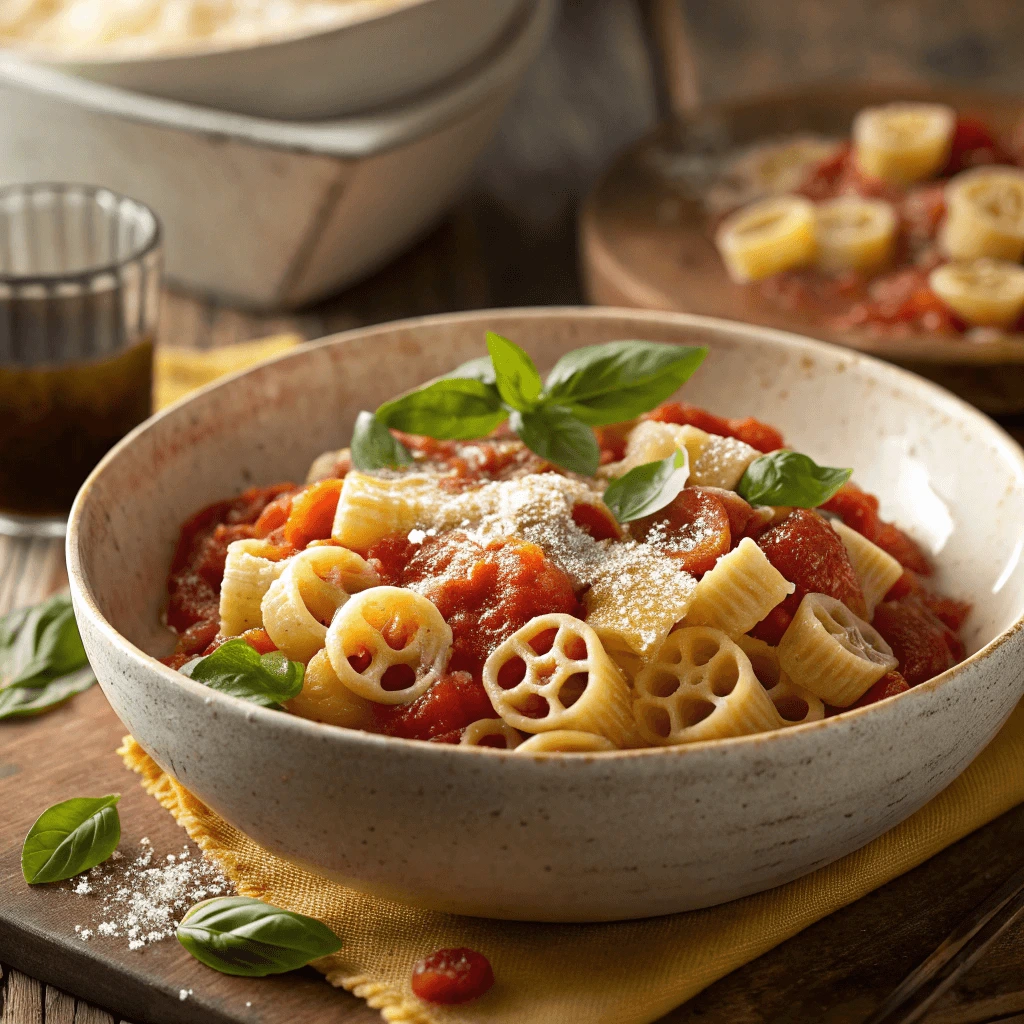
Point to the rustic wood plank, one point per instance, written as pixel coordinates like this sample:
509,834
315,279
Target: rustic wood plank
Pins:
58,1007
23,1000
86,1014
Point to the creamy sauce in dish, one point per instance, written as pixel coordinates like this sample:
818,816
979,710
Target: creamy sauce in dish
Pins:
111,27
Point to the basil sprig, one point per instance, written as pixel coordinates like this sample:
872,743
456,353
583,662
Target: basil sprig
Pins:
646,489
237,669
42,660
590,387
71,837
246,937
790,478
374,446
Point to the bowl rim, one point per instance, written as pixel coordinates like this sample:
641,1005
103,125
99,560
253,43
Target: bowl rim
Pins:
351,137
370,11
86,603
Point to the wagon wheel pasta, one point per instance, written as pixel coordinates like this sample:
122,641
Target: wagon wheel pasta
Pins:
794,704
565,741
490,732
739,592
876,569
389,645
251,566
829,651
300,604
325,698
700,686
554,674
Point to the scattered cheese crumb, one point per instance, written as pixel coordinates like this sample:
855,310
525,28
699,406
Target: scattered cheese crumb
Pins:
184,993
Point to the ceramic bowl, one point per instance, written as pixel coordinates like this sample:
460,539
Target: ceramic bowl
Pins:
264,213
374,55
559,837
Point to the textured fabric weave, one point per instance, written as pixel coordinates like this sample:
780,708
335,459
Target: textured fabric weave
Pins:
627,973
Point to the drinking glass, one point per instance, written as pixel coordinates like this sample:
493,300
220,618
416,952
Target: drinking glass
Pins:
79,301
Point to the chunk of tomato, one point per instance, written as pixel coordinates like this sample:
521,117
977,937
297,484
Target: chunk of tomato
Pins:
453,702
693,529
921,642
450,976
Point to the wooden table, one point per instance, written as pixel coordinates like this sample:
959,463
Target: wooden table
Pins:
511,242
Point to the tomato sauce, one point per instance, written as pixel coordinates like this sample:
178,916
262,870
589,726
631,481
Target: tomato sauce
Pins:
694,529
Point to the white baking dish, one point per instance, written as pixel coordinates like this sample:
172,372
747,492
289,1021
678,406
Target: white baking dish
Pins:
379,55
265,213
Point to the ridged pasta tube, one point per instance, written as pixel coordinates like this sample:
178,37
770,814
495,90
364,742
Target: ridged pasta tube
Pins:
855,234
249,570
490,732
565,741
700,686
299,605
722,462
370,507
325,698
876,569
738,592
832,653
553,674
984,214
389,645
983,292
794,704
903,142
767,237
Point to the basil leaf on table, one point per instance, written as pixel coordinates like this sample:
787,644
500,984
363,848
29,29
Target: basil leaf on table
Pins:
646,489
481,369
602,384
790,478
246,937
71,837
453,409
235,668
516,377
374,446
42,660
557,435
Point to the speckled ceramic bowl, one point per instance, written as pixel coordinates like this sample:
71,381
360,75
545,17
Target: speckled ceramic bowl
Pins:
559,837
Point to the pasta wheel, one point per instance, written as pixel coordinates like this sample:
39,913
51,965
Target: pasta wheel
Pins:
490,732
325,698
831,652
553,674
794,704
389,645
300,604
249,570
876,569
701,686
565,741
738,592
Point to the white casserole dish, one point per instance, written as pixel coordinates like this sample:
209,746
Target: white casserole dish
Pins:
377,56
263,213
559,837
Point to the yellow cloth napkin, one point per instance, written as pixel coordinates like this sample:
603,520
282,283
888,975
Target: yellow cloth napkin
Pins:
627,973
177,371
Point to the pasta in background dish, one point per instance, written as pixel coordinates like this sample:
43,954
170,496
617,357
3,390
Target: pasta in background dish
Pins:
698,581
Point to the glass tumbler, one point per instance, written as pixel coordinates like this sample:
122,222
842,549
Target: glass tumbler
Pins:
79,302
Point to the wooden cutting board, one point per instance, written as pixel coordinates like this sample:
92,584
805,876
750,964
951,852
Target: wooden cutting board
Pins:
835,971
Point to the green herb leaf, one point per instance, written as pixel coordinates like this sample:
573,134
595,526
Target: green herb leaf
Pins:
481,369
23,701
246,937
451,408
375,447
71,837
234,667
619,380
557,435
517,378
646,489
790,478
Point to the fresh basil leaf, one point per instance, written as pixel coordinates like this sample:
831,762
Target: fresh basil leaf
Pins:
71,837
375,447
38,644
517,379
646,489
448,409
246,937
234,667
602,384
790,478
481,369
557,435
23,701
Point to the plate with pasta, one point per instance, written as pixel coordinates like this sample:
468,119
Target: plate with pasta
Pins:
590,592
883,218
